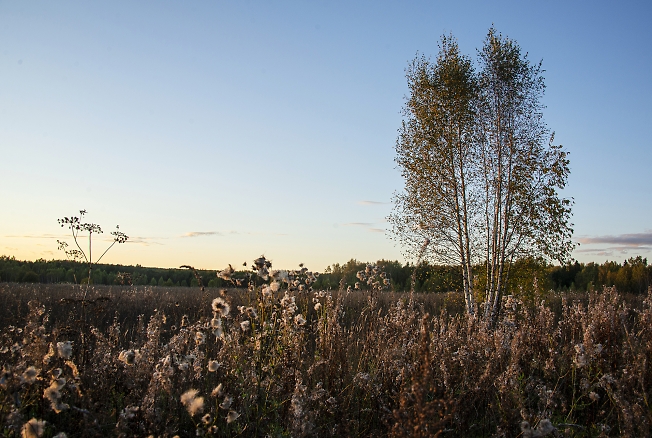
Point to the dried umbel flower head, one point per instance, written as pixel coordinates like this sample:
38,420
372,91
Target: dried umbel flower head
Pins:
200,338
221,307
64,349
193,404
245,325
206,419
33,429
213,365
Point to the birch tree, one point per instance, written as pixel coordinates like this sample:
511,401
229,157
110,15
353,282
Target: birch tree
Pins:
523,170
482,173
437,156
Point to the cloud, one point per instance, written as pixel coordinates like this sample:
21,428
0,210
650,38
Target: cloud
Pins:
636,240
615,245
39,236
145,241
358,224
367,225
372,203
201,233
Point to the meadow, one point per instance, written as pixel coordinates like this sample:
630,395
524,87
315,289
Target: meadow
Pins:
283,360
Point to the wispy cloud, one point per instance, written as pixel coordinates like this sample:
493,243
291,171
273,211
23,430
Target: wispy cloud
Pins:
615,245
358,224
625,240
366,225
145,241
372,203
38,236
202,233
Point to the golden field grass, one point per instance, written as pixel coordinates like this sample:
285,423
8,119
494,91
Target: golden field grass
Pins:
283,360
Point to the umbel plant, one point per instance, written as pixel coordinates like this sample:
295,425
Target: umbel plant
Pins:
76,226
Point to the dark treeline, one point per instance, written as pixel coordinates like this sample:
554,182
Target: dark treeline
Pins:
65,271
526,276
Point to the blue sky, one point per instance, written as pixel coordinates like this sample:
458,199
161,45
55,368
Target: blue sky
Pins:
214,132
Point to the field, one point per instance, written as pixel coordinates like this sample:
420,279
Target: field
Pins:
135,361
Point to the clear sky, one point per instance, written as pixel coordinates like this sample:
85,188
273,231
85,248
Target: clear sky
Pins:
214,132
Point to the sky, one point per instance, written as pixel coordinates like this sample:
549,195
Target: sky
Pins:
215,132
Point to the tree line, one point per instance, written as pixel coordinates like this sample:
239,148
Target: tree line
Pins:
74,272
529,274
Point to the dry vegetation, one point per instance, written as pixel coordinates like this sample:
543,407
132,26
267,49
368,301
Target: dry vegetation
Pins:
110,361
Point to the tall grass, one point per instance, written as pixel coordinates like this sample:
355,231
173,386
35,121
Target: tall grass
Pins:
286,361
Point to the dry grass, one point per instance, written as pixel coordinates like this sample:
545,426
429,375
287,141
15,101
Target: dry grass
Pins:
166,361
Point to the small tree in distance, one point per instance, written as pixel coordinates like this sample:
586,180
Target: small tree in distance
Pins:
482,175
76,226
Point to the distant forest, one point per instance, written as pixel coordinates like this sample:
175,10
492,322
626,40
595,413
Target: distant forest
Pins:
528,275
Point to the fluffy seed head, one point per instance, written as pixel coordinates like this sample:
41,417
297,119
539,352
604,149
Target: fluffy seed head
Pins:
232,416
217,391
64,349
193,404
127,356
221,307
299,319
29,376
226,403
33,429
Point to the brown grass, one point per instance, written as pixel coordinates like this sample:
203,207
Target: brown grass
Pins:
362,364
